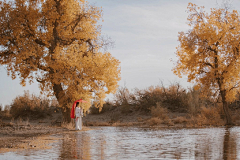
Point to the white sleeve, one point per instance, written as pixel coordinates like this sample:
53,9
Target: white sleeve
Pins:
77,112
82,112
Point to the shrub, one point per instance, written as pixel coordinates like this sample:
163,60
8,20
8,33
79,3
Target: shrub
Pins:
30,106
115,116
159,112
146,98
207,116
126,108
210,116
193,101
173,97
122,96
5,112
106,107
94,110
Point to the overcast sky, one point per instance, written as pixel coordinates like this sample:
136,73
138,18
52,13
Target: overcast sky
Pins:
145,33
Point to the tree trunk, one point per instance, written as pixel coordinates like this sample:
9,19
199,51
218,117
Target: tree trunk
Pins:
63,101
226,109
227,114
66,114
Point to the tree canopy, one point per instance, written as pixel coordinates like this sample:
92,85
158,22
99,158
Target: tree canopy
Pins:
209,52
58,43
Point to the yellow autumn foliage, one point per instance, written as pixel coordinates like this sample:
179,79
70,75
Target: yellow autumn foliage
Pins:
58,43
209,52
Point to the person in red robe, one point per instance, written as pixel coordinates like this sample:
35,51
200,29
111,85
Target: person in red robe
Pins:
78,120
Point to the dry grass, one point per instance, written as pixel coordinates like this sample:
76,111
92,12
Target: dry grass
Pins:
154,121
119,124
159,111
140,119
19,121
70,126
159,116
180,119
168,122
98,123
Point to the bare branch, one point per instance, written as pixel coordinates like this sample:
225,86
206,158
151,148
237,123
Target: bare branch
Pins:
208,64
235,86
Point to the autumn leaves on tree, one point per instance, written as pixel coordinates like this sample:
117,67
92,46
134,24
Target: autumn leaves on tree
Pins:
57,43
209,53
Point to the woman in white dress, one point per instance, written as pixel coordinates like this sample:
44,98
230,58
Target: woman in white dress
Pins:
78,116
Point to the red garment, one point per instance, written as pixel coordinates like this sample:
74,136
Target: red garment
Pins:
74,105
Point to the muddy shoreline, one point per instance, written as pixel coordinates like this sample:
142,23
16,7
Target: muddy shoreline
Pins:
13,134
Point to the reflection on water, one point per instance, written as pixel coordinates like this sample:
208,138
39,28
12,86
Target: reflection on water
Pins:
140,143
75,145
229,145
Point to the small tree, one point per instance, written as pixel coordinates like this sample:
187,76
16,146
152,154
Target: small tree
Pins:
57,43
209,53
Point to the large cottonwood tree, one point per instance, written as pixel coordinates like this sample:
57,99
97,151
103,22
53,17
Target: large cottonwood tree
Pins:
209,53
58,43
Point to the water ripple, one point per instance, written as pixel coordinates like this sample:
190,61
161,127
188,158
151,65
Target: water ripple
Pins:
139,143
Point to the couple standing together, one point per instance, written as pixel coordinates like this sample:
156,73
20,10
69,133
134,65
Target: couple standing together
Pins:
78,116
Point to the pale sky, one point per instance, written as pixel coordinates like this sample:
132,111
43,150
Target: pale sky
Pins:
145,33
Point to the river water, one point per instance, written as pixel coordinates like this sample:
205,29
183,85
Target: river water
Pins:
121,143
